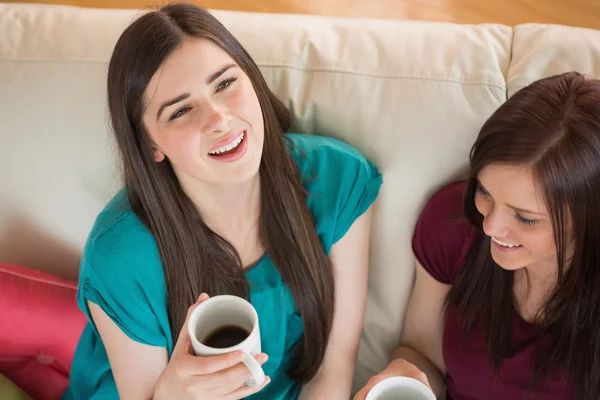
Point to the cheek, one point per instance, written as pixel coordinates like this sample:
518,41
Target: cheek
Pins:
180,141
246,105
539,243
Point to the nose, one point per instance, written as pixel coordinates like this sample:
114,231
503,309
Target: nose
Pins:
495,223
215,119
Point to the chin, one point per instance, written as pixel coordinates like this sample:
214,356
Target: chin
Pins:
508,261
510,267
242,173
507,264
239,171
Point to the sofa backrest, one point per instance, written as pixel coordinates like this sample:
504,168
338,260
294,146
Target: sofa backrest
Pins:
410,95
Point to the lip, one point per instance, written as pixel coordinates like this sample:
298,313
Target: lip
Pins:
227,158
226,140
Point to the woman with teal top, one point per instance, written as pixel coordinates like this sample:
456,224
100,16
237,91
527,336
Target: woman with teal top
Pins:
219,200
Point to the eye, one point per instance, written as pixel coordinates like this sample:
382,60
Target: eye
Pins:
182,111
481,190
525,221
225,84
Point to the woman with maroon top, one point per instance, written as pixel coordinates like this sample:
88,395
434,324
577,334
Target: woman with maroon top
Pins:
507,292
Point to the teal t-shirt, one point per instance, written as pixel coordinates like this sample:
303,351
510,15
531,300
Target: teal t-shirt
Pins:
121,271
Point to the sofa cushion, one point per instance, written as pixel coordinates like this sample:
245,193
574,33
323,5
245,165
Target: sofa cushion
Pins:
540,51
41,325
410,95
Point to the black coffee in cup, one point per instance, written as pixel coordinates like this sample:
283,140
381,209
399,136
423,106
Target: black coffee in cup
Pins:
226,336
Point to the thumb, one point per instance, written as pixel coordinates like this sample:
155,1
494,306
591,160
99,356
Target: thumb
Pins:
362,394
184,344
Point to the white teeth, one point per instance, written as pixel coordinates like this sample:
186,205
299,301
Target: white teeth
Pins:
229,146
505,244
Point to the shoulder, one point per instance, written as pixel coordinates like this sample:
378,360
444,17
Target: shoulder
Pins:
117,232
121,271
120,250
341,183
315,151
442,236
444,206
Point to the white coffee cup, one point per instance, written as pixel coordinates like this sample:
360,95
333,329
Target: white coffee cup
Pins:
222,311
400,388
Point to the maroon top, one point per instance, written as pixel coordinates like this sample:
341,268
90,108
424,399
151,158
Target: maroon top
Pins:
441,244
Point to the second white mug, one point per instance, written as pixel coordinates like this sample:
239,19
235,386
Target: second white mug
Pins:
400,388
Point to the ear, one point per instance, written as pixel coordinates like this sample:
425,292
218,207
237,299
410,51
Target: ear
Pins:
158,155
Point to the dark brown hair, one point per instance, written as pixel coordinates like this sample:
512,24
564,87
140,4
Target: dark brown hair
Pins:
553,127
196,259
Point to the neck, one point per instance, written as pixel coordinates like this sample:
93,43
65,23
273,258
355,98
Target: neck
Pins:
542,274
533,287
226,207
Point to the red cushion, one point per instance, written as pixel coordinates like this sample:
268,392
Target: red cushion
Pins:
41,325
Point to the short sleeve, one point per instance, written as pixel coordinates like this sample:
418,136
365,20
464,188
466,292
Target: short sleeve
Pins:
121,272
341,184
358,182
442,236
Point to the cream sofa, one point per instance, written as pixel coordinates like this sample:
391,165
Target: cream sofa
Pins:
410,95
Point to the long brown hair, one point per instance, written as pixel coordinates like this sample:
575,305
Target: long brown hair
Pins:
552,126
196,259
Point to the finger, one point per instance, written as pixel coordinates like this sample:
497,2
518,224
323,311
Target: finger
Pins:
425,380
419,375
184,345
211,364
246,391
203,297
230,379
362,394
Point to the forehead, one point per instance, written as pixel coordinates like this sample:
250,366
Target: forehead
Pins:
185,69
512,185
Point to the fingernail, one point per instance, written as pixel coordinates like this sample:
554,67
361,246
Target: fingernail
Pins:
264,358
267,380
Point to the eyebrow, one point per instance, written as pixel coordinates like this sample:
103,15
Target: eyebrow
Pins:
220,72
521,210
169,103
184,96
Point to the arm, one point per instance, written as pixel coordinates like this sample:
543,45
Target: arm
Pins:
144,372
135,366
349,259
423,329
420,354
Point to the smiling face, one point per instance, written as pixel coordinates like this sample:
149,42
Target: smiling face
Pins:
203,115
516,218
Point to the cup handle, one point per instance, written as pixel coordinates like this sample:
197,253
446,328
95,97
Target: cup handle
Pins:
258,375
